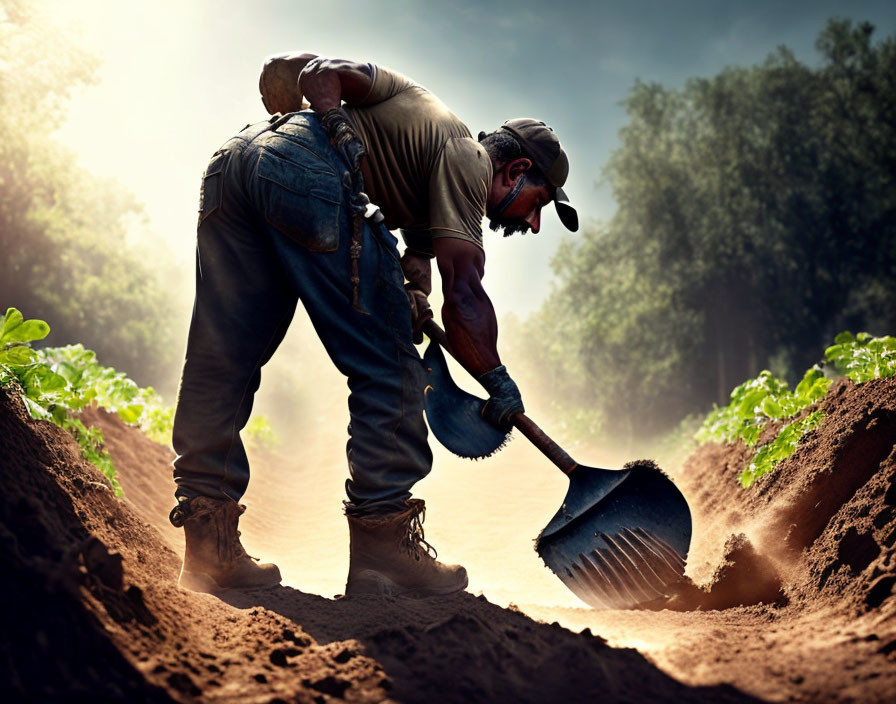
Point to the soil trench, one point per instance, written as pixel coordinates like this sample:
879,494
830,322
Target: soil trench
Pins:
789,594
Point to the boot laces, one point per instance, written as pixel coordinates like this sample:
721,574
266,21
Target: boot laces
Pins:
230,550
415,542
240,550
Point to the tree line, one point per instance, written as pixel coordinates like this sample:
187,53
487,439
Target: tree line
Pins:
63,230
756,219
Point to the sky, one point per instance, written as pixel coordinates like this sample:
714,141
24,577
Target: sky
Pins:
179,77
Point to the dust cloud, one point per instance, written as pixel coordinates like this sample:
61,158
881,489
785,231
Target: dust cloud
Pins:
483,514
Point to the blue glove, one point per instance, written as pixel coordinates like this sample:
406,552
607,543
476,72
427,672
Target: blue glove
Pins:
504,398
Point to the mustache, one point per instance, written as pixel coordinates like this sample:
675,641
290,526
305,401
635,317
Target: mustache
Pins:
510,226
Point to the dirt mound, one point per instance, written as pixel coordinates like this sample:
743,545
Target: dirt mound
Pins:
855,557
824,508
96,611
793,581
792,592
743,578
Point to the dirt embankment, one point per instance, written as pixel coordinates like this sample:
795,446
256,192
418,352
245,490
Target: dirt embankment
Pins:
821,526
790,594
95,613
792,590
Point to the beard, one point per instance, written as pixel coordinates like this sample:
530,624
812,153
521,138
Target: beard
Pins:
509,225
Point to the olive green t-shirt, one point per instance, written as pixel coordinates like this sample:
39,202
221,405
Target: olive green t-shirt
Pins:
424,170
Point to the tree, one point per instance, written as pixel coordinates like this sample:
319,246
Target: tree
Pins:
62,230
755,220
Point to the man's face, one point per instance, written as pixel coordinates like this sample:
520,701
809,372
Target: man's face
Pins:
524,213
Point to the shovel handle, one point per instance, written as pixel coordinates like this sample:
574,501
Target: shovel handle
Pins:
521,421
543,442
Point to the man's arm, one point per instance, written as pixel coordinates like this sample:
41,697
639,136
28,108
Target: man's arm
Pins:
467,313
472,328
287,77
325,83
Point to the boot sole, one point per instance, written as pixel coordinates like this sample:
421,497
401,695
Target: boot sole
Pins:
201,582
373,583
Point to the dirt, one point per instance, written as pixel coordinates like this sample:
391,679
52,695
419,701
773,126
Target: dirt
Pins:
790,595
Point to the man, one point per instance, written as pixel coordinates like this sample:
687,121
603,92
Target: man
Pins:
282,219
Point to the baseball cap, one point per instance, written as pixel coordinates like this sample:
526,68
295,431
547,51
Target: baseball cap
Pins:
540,144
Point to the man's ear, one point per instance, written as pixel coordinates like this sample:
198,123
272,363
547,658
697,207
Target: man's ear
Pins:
517,168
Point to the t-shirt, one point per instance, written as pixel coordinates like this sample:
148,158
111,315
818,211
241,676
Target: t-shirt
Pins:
423,168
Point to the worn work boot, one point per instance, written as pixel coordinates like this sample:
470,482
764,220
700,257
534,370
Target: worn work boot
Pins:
389,557
214,559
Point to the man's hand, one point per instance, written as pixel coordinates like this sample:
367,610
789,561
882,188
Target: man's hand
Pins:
421,311
418,272
325,83
504,398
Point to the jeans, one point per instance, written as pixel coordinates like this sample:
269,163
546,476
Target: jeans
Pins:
274,229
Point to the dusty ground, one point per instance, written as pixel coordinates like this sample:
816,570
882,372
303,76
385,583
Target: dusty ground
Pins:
809,552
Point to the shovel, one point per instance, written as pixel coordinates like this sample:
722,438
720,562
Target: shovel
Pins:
621,536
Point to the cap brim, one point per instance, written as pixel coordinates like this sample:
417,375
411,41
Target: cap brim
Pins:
567,214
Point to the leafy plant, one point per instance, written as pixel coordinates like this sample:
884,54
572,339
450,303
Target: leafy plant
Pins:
782,447
755,402
47,394
88,381
863,357
58,382
759,400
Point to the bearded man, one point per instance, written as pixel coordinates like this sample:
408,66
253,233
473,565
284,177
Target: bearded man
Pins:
287,214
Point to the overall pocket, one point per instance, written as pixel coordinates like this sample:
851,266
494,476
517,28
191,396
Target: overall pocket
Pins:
212,189
301,199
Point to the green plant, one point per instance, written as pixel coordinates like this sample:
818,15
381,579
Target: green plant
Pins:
862,357
259,432
48,394
88,381
782,447
58,382
756,402
759,400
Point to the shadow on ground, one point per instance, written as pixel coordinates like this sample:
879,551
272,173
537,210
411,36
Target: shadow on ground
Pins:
464,648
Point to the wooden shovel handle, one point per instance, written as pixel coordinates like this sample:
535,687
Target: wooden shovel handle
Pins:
521,421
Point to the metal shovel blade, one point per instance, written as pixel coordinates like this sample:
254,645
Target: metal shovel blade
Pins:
621,537
454,416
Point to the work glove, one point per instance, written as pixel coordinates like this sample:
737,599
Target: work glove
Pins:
504,398
421,311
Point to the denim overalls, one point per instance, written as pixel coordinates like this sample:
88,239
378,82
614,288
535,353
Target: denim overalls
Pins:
275,228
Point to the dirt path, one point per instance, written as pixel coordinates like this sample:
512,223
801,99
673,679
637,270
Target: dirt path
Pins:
810,553
773,654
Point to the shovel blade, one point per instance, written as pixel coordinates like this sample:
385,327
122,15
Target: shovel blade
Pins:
454,416
621,537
